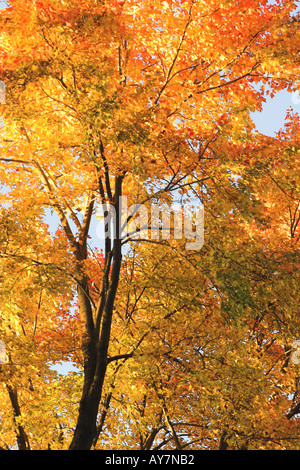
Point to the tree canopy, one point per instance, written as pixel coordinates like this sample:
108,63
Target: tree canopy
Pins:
175,347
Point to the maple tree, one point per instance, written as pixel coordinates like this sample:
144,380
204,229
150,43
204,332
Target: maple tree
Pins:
148,100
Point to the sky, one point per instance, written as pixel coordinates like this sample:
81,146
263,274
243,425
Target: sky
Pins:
272,116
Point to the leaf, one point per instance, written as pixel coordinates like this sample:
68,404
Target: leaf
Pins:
149,101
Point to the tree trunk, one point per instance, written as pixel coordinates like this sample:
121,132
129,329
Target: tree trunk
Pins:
22,438
223,443
95,338
95,366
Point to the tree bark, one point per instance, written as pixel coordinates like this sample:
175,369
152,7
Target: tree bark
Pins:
96,336
223,443
22,438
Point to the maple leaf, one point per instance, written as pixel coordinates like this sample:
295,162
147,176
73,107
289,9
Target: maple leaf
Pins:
147,100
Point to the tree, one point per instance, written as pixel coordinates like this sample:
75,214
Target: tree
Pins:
145,100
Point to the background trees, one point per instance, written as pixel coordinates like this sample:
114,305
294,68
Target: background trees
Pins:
149,100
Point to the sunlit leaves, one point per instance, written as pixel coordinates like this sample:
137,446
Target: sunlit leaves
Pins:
158,94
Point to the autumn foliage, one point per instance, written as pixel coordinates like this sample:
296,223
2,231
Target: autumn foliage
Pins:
171,348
